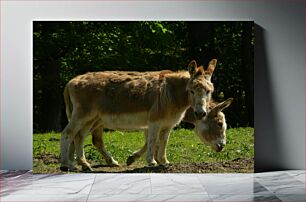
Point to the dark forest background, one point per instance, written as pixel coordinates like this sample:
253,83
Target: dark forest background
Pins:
63,50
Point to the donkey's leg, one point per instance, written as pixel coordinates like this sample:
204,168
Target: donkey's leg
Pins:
79,149
163,141
67,138
153,132
97,141
71,151
156,150
81,121
137,154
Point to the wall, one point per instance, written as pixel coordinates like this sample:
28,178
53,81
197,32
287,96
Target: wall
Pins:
279,67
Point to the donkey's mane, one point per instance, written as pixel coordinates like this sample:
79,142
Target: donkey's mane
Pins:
167,96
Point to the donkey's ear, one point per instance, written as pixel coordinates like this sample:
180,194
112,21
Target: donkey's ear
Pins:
210,69
221,106
192,67
225,104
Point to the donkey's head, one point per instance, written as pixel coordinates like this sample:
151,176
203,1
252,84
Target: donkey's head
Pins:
200,87
211,129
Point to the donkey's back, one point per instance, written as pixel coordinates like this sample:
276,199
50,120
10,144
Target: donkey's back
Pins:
123,100
155,101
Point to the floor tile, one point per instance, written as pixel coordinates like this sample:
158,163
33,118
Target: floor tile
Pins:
295,171
118,184
3,171
15,174
287,174
287,189
149,198
287,186
14,181
43,198
216,184
292,197
176,184
245,198
281,183
48,184
259,189
298,175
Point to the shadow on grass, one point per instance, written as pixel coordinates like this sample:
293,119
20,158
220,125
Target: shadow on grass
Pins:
239,165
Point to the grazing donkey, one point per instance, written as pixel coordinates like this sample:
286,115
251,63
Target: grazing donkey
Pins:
132,100
211,129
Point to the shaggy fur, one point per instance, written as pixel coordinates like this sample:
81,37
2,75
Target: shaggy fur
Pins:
154,101
211,129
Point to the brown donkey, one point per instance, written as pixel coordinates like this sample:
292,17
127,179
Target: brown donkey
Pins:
211,129
117,100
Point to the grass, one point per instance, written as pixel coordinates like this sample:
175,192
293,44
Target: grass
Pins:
183,147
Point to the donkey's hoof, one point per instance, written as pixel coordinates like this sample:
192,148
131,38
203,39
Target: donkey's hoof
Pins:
165,165
87,169
113,163
130,160
67,169
166,162
64,168
154,163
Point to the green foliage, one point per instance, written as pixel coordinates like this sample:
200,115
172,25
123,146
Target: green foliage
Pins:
183,147
234,74
63,50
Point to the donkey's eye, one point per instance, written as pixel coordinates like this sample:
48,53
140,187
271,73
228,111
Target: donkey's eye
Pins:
192,92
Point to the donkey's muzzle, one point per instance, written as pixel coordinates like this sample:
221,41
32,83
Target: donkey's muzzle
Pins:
200,114
220,147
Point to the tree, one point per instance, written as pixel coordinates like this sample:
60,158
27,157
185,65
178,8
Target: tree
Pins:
63,50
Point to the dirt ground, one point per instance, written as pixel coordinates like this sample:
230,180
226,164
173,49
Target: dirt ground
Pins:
239,165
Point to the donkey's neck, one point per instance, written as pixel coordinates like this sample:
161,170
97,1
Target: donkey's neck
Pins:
177,84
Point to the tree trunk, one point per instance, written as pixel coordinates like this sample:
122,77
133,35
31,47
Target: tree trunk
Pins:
51,97
48,53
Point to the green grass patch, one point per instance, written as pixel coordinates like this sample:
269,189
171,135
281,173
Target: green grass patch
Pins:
183,147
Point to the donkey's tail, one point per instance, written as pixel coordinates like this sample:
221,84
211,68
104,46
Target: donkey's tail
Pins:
68,103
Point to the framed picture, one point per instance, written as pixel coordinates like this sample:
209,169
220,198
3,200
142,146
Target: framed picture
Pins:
143,96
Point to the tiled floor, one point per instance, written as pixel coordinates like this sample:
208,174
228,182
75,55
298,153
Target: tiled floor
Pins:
270,186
